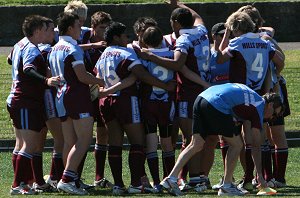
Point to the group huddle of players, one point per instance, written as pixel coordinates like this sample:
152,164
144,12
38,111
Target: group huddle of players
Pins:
68,77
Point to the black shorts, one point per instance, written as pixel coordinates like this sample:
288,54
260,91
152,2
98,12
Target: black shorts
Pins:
207,120
279,121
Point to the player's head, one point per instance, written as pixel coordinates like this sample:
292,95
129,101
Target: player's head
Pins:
153,37
274,106
140,25
50,31
78,8
218,30
35,24
68,24
239,23
115,34
254,15
99,21
181,18
100,18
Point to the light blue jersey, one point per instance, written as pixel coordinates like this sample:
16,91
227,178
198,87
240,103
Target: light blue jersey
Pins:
237,100
194,42
252,56
160,73
64,56
219,73
115,64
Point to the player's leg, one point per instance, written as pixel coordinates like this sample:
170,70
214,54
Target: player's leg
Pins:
115,141
54,126
37,163
280,154
57,165
235,147
100,152
151,151
17,148
167,148
207,158
246,182
136,137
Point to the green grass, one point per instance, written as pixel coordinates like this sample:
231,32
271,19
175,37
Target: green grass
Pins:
292,176
291,74
57,2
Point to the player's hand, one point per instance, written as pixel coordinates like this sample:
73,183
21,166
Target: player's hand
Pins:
103,93
171,86
144,54
172,3
53,81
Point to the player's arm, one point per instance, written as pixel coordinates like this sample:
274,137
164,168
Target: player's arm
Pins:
85,77
96,45
223,56
175,64
9,58
142,74
278,61
52,81
277,47
269,30
197,18
189,74
126,82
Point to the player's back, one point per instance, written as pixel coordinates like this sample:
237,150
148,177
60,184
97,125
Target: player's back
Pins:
194,42
25,91
226,96
62,58
252,57
115,64
218,73
159,72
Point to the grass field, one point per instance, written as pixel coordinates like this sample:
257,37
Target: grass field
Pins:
292,177
56,2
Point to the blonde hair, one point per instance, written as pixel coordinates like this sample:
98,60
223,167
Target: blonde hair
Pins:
254,15
77,7
240,21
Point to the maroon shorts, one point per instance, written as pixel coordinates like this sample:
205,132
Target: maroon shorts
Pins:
124,108
75,106
28,119
157,112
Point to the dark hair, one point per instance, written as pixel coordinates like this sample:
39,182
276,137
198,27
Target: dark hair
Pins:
32,23
152,36
275,98
65,20
100,18
183,16
142,23
114,29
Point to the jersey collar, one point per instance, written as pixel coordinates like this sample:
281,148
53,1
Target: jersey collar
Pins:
165,49
250,35
188,31
68,39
